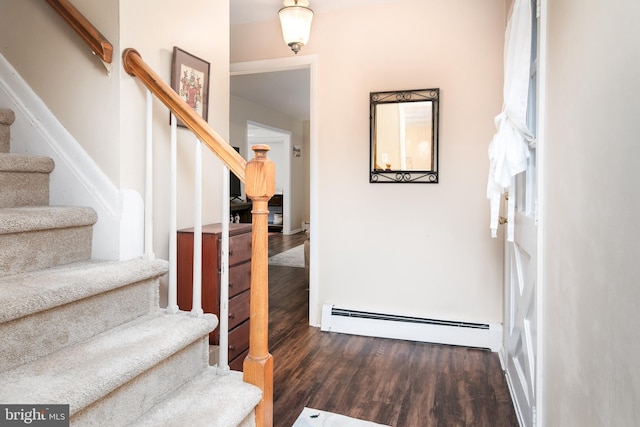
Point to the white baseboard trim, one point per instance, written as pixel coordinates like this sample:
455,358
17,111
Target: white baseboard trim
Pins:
379,325
76,180
297,230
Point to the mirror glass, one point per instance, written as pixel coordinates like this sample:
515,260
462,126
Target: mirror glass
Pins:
404,136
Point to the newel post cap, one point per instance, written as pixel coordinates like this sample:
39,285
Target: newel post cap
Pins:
261,175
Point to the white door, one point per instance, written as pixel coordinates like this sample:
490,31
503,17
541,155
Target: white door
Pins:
520,309
521,266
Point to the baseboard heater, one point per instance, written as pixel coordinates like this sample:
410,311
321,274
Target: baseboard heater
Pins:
480,335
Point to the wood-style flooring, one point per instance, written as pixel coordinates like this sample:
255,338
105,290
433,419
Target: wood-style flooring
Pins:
397,383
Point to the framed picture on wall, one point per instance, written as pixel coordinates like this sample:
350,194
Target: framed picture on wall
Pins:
190,80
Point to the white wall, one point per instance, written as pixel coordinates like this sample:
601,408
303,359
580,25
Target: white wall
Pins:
591,367
153,27
410,249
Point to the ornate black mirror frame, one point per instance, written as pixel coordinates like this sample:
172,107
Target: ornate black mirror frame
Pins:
409,153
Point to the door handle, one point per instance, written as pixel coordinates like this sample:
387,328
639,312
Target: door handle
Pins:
502,220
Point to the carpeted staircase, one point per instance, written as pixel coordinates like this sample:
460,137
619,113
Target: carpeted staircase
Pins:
90,333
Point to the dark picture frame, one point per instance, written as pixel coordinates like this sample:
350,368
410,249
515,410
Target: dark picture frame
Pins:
190,80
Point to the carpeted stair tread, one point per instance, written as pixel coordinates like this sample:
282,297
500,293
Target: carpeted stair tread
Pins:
82,374
24,219
33,292
209,400
10,162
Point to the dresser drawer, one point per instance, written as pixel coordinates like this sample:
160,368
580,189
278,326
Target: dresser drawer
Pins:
237,363
239,248
238,340
239,271
239,278
238,309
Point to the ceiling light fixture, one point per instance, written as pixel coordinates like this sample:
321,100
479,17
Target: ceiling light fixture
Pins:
295,19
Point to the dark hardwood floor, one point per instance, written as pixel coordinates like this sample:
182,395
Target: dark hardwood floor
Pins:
398,383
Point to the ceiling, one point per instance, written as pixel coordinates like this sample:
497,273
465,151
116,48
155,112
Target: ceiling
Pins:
285,91
245,11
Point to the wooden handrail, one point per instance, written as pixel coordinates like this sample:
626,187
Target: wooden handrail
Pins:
259,178
134,65
98,43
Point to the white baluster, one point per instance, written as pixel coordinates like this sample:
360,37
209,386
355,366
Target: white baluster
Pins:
223,358
148,187
172,297
196,307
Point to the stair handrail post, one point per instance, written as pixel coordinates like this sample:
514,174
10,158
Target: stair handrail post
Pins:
258,365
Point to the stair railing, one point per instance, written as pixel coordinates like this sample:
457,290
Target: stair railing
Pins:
98,43
259,178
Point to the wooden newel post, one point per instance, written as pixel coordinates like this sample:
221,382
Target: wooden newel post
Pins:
258,366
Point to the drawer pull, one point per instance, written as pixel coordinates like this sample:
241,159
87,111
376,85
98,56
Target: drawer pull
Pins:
230,252
232,316
231,284
232,348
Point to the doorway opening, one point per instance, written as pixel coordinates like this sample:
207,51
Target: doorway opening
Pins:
308,63
279,142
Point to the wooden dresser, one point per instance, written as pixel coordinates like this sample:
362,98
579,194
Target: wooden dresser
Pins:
239,282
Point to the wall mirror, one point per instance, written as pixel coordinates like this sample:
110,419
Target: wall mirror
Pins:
404,136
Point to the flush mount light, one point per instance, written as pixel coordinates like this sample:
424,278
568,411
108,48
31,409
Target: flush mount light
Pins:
295,19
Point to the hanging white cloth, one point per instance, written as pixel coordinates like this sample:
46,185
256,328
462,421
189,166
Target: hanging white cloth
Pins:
509,148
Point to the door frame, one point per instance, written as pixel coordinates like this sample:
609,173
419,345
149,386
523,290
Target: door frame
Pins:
540,148
309,62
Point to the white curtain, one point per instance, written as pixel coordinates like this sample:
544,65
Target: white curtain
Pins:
509,148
